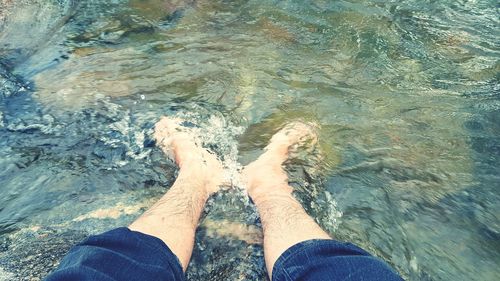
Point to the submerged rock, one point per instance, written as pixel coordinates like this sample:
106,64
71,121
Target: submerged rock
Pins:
10,84
32,255
40,20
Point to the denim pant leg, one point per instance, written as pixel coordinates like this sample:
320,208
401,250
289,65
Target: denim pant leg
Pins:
330,260
117,255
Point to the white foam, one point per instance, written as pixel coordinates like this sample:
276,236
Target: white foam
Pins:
333,214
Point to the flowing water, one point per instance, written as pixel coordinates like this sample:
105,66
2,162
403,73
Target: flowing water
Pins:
406,94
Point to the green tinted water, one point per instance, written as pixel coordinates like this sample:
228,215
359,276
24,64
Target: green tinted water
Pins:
406,94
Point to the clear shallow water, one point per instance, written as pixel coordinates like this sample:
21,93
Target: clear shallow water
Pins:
406,94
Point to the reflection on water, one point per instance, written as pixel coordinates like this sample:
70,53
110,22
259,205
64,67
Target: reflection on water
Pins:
406,95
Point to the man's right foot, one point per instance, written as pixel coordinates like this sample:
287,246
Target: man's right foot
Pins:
266,175
197,163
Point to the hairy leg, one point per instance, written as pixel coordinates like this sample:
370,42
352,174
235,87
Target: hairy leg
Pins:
174,218
284,221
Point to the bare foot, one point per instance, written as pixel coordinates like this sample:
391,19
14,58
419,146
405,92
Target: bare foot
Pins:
195,162
266,175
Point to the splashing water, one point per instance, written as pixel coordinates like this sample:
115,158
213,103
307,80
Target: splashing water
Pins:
405,94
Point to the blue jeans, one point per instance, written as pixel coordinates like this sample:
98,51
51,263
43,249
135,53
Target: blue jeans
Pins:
122,254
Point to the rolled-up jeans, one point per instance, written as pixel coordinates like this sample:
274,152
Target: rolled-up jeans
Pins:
122,254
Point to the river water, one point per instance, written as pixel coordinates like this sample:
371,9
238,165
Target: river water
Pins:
406,94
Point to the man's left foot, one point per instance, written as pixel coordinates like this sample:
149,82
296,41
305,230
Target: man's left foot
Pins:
266,175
